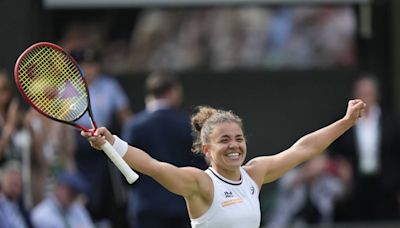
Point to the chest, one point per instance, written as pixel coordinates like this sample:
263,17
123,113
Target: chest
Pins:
236,205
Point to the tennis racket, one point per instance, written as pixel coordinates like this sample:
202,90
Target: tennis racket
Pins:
51,81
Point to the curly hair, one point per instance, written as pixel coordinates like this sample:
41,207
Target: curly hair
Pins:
204,122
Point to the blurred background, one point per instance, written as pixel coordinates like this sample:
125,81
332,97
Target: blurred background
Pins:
286,67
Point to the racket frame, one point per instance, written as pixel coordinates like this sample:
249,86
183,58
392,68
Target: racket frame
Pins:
130,175
19,86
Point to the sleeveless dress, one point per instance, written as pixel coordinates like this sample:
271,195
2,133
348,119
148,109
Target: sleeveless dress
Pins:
235,203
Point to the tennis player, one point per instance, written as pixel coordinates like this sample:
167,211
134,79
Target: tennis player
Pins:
226,194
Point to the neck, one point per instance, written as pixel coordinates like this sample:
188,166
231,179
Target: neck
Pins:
228,174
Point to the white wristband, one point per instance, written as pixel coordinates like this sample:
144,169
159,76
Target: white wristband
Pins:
120,146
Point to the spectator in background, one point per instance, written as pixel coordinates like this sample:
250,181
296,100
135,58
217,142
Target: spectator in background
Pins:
64,209
306,195
10,121
53,144
15,139
108,102
373,149
165,132
12,212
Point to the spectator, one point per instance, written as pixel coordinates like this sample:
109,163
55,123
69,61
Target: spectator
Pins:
15,139
10,120
64,209
12,213
165,131
53,144
108,102
306,194
373,150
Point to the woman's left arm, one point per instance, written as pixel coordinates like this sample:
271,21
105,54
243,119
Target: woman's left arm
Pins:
266,169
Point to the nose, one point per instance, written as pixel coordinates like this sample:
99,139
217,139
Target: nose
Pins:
233,145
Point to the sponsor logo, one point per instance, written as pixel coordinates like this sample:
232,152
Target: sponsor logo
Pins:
231,202
228,194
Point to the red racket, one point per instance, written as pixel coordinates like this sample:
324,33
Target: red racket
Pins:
51,81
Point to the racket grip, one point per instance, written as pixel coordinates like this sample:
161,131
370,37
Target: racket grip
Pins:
130,175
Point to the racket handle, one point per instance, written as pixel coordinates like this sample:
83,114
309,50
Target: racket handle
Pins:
130,175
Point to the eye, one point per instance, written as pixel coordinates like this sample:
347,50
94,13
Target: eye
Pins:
240,139
224,140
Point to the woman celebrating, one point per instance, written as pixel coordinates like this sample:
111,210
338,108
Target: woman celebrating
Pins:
226,194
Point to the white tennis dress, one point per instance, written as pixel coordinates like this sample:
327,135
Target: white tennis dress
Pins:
235,203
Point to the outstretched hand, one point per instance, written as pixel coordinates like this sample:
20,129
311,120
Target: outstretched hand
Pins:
355,110
98,137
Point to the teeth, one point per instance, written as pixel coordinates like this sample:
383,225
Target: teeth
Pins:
233,155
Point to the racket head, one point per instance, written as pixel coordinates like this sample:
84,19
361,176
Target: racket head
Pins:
51,81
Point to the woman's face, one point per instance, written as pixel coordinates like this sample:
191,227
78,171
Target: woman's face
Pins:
226,149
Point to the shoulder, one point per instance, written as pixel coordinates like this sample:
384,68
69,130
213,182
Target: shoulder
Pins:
174,116
203,180
164,116
138,117
200,200
201,175
42,207
257,167
107,82
134,124
43,212
79,209
172,113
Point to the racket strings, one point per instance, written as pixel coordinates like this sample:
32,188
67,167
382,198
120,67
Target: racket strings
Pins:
53,83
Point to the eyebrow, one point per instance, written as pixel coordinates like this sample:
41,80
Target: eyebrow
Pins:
227,136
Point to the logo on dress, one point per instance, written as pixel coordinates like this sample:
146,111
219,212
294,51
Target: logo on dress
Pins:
228,194
252,190
231,202
230,199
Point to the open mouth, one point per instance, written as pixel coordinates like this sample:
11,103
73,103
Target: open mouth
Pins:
233,155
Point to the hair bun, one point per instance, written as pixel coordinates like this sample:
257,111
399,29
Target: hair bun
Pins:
202,115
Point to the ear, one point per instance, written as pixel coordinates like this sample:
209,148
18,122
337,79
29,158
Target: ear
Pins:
204,148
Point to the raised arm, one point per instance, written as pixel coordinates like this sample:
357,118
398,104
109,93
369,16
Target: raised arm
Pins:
182,181
269,168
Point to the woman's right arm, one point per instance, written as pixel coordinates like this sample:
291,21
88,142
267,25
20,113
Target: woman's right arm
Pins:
183,181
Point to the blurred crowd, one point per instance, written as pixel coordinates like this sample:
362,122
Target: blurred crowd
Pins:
227,38
49,176
48,171
244,37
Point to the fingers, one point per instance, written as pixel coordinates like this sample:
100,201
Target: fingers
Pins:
357,103
96,138
356,109
94,132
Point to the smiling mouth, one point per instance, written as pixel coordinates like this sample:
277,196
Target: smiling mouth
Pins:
234,155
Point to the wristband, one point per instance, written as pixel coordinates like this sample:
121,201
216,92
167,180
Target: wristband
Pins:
120,146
